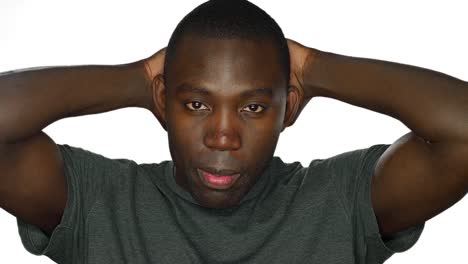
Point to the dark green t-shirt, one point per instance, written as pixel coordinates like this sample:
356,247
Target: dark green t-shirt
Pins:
119,211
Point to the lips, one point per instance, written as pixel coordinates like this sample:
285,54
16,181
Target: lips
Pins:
219,179
223,172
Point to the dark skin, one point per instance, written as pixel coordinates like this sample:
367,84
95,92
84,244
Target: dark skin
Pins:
224,106
425,171
433,156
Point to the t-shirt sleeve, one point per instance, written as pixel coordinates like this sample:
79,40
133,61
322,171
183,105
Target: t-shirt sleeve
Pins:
353,172
87,177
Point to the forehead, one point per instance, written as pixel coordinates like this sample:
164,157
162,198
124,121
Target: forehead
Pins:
214,62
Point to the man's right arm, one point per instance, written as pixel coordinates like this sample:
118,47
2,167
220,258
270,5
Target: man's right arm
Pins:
32,181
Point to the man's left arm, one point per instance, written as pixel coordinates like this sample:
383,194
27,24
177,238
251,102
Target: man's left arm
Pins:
425,171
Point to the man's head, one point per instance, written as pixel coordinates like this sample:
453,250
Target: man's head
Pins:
224,98
230,19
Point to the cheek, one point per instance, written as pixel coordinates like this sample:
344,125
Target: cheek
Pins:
184,134
179,123
262,136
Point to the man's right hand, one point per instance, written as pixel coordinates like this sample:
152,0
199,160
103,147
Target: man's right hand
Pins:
154,66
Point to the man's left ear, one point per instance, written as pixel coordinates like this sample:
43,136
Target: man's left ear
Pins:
293,106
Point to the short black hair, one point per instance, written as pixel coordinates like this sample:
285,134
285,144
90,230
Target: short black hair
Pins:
231,19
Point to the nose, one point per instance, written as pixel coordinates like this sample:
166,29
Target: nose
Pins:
222,133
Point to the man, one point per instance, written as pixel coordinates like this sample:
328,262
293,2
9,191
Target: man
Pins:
227,91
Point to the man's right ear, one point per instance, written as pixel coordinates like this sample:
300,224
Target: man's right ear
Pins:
159,99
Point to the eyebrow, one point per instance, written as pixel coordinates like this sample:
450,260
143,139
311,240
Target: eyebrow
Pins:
186,88
258,91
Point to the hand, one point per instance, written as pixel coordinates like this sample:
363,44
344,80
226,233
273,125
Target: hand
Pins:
154,67
300,58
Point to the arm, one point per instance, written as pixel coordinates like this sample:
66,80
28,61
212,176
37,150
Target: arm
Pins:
422,173
32,182
32,99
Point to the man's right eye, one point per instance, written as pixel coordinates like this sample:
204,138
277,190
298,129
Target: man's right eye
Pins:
196,106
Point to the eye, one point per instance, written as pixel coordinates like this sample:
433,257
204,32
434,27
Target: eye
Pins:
254,108
196,106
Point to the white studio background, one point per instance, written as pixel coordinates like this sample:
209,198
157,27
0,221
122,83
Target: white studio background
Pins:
424,33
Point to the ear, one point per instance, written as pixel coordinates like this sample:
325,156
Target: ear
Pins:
294,99
159,99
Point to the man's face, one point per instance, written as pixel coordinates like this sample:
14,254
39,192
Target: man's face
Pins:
225,104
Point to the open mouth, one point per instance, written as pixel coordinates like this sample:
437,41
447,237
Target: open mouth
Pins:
219,179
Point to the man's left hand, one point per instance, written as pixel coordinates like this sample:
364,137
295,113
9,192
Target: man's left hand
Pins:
301,57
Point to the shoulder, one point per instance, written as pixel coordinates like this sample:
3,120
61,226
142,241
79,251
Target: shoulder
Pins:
88,166
341,172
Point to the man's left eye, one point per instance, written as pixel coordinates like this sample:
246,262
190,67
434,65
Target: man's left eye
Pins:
254,108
